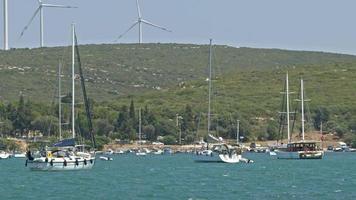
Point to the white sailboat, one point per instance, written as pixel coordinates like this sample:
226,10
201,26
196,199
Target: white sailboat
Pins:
220,151
64,155
300,149
140,151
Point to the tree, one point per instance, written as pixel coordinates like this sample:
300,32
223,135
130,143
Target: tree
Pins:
321,116
150,132
6,127
272,130
22,121
45,124
132,110
102,127
187,119
169,140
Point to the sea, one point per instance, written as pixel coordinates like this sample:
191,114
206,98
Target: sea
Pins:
177,176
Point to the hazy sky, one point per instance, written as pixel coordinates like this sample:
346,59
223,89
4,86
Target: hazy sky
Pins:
322,25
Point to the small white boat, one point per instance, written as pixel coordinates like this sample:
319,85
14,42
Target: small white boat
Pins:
140,153
119,152
4,155
109,152
19,155
106,158
158,152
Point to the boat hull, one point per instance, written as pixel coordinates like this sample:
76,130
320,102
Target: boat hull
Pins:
209,156
300,155
40,164
4,156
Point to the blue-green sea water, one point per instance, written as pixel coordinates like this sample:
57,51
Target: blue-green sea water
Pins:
178,177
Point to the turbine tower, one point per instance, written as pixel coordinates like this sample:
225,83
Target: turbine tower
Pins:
6,27
139,22
40,11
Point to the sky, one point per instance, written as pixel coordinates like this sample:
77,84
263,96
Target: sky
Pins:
315,25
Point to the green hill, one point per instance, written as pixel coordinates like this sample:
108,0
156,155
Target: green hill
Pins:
167,77
118,70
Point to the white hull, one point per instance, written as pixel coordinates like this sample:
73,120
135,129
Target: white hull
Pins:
106,158
4,155
158,152
140,154
20,155
209,156
300,154
60,164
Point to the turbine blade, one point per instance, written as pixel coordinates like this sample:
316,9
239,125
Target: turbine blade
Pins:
138,9
120,36
57,6
29,23
154,25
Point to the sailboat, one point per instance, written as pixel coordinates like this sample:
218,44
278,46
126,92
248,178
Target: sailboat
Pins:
220,151
302,149
65,154
140,151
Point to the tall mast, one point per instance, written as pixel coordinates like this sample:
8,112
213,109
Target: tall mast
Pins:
209,97
287,95
237,131
59,102
139,126
6,27
73,79
302,99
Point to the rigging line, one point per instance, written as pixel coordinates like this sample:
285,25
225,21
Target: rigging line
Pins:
86,100
221,87
282,116
295,113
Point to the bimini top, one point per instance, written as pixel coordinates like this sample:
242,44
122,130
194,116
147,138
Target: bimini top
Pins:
65,143
305,142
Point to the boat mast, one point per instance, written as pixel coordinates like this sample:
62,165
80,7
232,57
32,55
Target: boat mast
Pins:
237,131
302,99
139,127
287,97
209,96
73,79
59,102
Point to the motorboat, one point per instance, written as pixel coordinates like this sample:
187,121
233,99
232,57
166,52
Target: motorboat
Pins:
4,155
106,158
109,152
19,155
158,152
140,153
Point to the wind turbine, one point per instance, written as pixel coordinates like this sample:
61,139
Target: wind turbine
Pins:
6,27
139,22
40,11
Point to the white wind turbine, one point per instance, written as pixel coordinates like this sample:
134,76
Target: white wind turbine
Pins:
6,28
139,22
40,11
